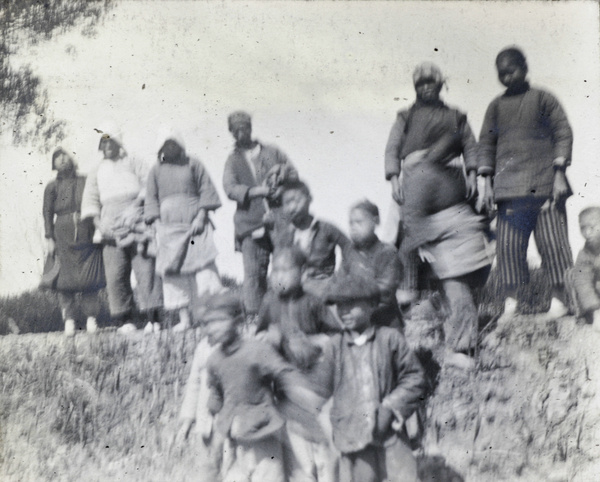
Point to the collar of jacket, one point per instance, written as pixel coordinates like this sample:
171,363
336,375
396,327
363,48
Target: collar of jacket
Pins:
517,90
369,333
66,174
368,243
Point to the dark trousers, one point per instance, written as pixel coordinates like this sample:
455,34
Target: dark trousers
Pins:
517,219
255,254
118,263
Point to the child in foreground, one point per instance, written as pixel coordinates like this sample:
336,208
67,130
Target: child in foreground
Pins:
377,384
315,238
583,280
295,322
243,375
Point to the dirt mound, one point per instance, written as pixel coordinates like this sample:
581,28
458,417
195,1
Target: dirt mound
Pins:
526,413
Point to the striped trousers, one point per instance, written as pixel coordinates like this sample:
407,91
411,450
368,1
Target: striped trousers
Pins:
517,219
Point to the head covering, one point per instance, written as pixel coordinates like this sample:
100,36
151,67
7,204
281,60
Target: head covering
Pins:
62,150
351,287
428,70
295,185
164,133
367,206
223,305
238,116
110,130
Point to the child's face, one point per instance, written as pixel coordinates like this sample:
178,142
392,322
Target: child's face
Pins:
295,204
241,132
428,90
590,228
510,73
171,150
356,315
362,225
109,148
221,331
285,275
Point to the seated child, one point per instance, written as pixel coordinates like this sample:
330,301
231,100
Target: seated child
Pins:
377,384
316,239
294,322
583,280
375,260
243,375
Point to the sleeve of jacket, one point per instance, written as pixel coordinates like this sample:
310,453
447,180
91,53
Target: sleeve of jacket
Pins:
235,190
151,204
410,379
562,134
209,198
388,275
340,239
48,209
263,320
215,397
90,203
469,145
488,139
141,170
584,282
392,148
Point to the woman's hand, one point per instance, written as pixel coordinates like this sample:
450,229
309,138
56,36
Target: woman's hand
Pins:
397,191
199,222
560,189
50,246
471,185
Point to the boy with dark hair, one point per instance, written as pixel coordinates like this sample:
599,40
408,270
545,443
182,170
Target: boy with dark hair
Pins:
377,384
251,176
374,259
242,377
315,238
524,150
295,323
583,280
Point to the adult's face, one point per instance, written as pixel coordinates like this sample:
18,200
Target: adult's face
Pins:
242,133
109,148
428,90
510,73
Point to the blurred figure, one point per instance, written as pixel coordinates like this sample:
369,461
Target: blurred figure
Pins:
250,178
180,194
69,241
114,197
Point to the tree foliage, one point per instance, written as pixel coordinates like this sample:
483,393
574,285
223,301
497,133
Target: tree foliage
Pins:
23,99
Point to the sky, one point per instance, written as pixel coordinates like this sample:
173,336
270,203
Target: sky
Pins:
322,80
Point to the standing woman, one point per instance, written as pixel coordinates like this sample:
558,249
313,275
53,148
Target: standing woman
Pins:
180,194
69,240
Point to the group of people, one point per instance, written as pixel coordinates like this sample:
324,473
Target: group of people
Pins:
307,375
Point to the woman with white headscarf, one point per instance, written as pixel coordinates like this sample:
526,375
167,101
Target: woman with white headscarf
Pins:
114,197
180,194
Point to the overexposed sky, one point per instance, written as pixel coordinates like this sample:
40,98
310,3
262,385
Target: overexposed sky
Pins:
323,81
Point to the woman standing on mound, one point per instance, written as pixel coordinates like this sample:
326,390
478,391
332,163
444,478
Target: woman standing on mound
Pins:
69,242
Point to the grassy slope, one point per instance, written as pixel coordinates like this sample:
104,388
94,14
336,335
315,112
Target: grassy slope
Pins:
105,407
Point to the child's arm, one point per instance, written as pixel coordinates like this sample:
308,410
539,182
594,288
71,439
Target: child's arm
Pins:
205,189
410,387
584,283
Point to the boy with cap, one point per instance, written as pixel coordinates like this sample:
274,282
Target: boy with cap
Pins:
524,150
425,147
377,384
113,196
583,280
247,177
316,239
242,374
295,323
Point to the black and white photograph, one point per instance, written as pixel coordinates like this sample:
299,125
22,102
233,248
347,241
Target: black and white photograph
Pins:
299,241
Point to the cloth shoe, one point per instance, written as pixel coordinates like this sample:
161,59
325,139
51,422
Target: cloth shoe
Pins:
180,327
126,329
91,325
510,310
557,310
69,328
